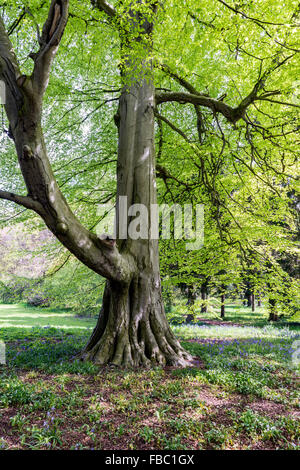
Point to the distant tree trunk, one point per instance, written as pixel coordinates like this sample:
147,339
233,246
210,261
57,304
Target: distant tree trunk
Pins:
168,299
191,300
191,295
247,297
223,305
273,313
204,295
253,301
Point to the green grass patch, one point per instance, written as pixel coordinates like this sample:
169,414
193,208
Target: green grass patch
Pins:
244,396
22,316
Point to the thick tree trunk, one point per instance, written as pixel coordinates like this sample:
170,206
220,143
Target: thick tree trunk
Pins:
132,329
192,296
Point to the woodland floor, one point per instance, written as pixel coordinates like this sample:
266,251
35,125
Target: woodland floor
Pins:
243,395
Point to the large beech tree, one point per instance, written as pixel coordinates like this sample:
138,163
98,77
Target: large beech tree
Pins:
132,328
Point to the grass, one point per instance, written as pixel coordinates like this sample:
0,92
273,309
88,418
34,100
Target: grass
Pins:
243,395
22,316
236,313
235,331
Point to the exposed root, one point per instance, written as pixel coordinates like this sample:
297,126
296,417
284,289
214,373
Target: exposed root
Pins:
132,330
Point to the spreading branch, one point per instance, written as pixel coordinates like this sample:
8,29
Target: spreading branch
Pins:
182,81
232,114
51,36
172,126
247,17
10,73
24,201
189,87
23,107
217,105
16,23
104,6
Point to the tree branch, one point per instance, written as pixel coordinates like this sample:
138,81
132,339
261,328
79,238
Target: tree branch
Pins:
204,23
10,74
24,97
51,36
24,201
104,6
16,22
172,126
232,114
278,102
256,20
218,106
182,81
189,87
164,174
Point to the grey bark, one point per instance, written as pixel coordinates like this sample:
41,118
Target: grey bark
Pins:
132,329
24,96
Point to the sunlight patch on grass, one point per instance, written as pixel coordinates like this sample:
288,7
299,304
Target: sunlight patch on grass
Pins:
224,331
21,316
34,315
64,327
10,307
